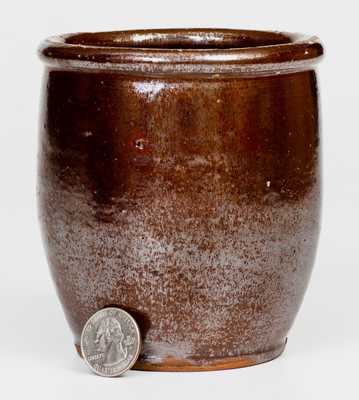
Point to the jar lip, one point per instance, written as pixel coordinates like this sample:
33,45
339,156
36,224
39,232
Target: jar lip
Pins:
183,50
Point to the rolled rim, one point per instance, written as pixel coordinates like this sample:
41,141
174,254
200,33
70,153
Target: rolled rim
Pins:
183,50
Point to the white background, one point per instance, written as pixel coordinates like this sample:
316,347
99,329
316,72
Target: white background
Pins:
37,358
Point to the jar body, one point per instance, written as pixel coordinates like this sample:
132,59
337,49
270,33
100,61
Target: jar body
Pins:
192,202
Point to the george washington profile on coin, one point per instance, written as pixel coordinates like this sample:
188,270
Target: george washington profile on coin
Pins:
109,338
110,341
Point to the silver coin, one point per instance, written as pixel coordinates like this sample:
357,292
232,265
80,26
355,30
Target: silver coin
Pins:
110,342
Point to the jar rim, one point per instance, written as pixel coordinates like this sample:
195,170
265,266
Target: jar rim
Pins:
183,50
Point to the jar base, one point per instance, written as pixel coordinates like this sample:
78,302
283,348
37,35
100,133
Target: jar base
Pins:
216,364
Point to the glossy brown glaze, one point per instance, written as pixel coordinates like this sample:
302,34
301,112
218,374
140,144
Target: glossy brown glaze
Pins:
190,199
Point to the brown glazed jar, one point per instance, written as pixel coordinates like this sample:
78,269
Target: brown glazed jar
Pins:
179,179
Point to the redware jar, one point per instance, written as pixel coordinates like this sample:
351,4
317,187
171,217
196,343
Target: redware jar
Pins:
179,179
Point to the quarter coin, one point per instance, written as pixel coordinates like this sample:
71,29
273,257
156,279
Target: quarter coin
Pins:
110,342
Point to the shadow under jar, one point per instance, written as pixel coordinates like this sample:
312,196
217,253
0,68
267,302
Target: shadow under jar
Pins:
179,179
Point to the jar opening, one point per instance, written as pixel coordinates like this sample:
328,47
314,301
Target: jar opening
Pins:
189,51
180,39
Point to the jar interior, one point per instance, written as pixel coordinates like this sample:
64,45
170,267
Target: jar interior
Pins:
180,39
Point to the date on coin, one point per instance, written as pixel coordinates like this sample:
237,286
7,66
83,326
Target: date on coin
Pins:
110,342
